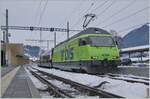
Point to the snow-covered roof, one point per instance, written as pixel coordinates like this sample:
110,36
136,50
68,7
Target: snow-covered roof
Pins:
137,48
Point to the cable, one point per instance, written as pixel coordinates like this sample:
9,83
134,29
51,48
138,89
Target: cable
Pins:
84,13
99,6
36,14
124,18
42,13
127,6
74,10
107,8
132,27
89,8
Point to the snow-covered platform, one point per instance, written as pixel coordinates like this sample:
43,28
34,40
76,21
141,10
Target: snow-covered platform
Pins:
19,86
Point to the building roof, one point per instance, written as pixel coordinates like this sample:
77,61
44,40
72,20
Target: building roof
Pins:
135,49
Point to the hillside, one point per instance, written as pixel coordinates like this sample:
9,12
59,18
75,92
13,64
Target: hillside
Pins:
136,37
32,51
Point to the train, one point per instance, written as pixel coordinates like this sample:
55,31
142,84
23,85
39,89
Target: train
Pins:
93,50
45,59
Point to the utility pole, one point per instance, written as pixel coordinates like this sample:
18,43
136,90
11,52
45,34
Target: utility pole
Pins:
54,39
67,30
7,40
47,45
4,48
4,36
40,37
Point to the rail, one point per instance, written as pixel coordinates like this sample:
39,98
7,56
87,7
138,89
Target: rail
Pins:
134,80
93,91
51,87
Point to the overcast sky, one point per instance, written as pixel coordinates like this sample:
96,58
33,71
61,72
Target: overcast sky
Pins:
58,12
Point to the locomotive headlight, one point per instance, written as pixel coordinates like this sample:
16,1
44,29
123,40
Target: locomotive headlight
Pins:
94,57
117,57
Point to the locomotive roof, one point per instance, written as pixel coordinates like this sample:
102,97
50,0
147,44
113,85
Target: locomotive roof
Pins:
91,30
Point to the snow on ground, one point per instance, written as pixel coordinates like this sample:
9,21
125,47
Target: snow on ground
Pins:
127,78
118,87
39,85
61,85
36,82
125,89
130,76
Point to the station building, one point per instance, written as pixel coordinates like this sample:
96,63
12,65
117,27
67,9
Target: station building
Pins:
13,54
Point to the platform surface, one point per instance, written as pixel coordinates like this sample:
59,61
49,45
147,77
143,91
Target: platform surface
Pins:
21,86
6,69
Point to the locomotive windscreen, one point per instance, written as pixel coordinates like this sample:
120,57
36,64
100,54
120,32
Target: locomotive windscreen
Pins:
102,41
105,41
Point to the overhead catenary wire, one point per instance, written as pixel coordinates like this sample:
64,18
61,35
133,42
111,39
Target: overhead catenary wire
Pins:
126,17
37,10
106,8
42,13
89,8
73,11
99,6
103,11
83,15
40,18
119,11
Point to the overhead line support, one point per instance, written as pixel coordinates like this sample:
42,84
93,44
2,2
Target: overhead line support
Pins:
31,28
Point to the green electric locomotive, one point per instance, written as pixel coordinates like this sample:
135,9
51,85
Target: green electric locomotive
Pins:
92,50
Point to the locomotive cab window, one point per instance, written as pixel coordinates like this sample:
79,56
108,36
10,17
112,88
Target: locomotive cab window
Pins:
84,41
97,41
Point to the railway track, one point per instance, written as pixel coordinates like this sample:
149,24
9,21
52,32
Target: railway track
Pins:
127,78
131,79
52,88
78,88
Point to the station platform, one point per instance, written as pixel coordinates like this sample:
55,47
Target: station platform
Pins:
6,69
17,84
